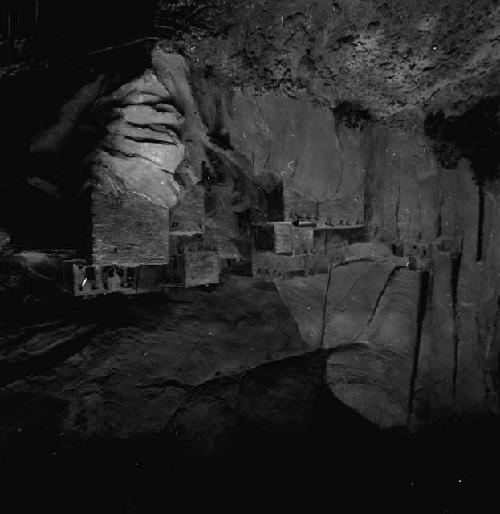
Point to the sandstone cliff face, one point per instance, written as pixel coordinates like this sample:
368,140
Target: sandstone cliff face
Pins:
402,61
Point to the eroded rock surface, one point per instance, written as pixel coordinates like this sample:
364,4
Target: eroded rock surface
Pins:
122,372
330,103
393,56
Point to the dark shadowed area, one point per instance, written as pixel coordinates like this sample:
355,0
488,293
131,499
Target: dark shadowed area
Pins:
249,249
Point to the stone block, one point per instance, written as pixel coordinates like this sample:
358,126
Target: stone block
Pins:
319,241
128,230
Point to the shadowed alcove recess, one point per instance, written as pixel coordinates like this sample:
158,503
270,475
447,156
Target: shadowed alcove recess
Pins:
240,229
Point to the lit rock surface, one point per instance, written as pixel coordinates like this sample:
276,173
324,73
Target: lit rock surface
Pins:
398,57
142,148
337,100
305,298
373,372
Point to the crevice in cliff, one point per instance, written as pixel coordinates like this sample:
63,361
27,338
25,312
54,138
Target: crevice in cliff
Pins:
305,361
480,222
456,262
421,313
353,346
493,353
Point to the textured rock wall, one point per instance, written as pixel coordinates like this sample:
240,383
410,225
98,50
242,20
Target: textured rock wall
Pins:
133,170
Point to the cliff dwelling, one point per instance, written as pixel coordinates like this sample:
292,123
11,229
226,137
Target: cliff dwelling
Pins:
261,232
